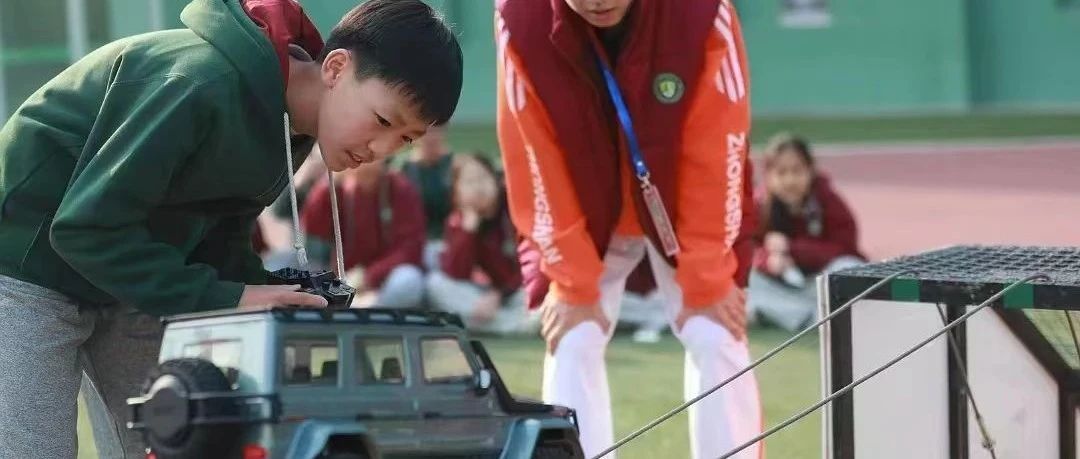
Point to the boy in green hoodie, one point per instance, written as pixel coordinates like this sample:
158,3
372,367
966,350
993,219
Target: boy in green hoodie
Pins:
129,185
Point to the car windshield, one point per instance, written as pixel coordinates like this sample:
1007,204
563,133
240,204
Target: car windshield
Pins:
444,362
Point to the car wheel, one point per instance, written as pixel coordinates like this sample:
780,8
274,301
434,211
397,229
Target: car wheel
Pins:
170,433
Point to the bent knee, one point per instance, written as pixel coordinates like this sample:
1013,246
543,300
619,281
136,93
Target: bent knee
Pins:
586,342
701,335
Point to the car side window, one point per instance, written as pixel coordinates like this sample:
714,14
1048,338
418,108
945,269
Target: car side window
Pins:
310,361
444,361
380,360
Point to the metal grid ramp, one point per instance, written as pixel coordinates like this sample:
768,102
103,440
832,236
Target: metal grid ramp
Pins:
969,274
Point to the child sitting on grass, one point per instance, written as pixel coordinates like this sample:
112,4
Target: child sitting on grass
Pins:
805,230
480,239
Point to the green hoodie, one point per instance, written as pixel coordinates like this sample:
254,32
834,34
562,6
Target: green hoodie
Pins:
136,175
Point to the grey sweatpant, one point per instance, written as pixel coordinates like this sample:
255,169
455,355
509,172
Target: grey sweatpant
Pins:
47,345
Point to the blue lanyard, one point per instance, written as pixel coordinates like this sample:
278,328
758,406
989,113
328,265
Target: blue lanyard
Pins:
624,120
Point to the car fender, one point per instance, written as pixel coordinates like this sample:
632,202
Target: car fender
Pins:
311,436
521,440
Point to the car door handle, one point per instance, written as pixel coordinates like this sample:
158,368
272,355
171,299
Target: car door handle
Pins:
431,414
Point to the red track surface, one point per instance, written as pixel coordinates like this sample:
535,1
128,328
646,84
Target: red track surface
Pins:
912,199
908,202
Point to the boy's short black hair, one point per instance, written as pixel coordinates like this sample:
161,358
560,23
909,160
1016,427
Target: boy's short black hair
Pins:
409,46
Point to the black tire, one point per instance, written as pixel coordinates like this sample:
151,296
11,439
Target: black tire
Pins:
184,441
555,450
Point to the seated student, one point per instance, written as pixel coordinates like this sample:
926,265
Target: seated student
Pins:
805,230
479,277
428,168
382,231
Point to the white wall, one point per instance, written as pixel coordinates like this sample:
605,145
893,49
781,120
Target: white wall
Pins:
901,413
1018,398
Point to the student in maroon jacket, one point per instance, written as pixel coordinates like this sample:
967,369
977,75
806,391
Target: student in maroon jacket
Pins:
806,230
479,276
382,228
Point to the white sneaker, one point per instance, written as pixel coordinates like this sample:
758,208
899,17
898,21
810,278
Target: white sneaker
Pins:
646,336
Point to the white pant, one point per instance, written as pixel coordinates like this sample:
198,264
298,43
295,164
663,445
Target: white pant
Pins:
576,375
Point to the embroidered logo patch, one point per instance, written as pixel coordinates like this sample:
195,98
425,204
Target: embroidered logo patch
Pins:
668,88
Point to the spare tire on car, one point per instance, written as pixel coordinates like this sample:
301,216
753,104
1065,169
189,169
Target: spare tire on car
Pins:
168,414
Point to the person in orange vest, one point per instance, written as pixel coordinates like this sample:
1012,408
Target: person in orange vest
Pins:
623,127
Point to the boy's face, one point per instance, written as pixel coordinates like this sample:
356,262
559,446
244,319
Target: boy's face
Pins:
601,13
361,121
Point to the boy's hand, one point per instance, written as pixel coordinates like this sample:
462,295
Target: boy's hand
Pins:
729,312
264,296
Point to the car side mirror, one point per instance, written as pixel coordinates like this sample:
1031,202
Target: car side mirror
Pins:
483,381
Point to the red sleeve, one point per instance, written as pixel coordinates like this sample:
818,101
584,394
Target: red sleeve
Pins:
501,267
839,236
710,212
407,241
459,256
543,205
315,216
744,244
284,23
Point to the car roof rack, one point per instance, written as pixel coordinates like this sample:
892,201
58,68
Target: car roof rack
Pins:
420,317
369,315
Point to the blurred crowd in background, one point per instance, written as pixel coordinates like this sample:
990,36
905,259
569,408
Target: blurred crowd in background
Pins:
431,229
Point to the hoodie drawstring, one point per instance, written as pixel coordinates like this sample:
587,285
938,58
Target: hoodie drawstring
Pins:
298,242
298,235
337,222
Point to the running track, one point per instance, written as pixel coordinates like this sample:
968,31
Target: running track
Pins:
909,199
